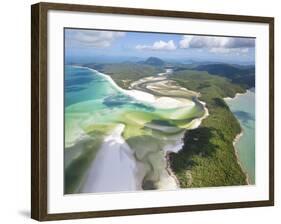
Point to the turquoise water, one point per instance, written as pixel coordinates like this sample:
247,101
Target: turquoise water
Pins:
82,84
106,123
243,107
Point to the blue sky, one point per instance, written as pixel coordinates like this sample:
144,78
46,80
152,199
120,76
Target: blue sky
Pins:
81,44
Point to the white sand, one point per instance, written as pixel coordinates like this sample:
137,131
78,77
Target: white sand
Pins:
236,95
136,94
176,146
114,168
172,103
167,181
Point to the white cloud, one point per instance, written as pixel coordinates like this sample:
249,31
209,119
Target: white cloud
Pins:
93,38
185,41
230,50
217,44
158,45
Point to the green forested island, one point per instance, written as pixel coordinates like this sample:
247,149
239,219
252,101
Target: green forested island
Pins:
208,157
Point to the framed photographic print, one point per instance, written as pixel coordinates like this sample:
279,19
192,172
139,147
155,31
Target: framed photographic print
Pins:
138,111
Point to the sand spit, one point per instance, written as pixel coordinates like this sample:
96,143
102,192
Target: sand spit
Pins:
114,168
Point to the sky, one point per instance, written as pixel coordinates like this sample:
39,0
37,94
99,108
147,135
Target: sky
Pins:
98,45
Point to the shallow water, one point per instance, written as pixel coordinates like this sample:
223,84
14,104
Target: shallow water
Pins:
243,107
100,156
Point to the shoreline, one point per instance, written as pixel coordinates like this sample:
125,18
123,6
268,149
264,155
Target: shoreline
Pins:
138,95
145,97
234,143
236,95
167,153
169,169
238,136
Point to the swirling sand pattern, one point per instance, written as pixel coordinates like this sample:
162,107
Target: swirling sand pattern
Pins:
116,139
